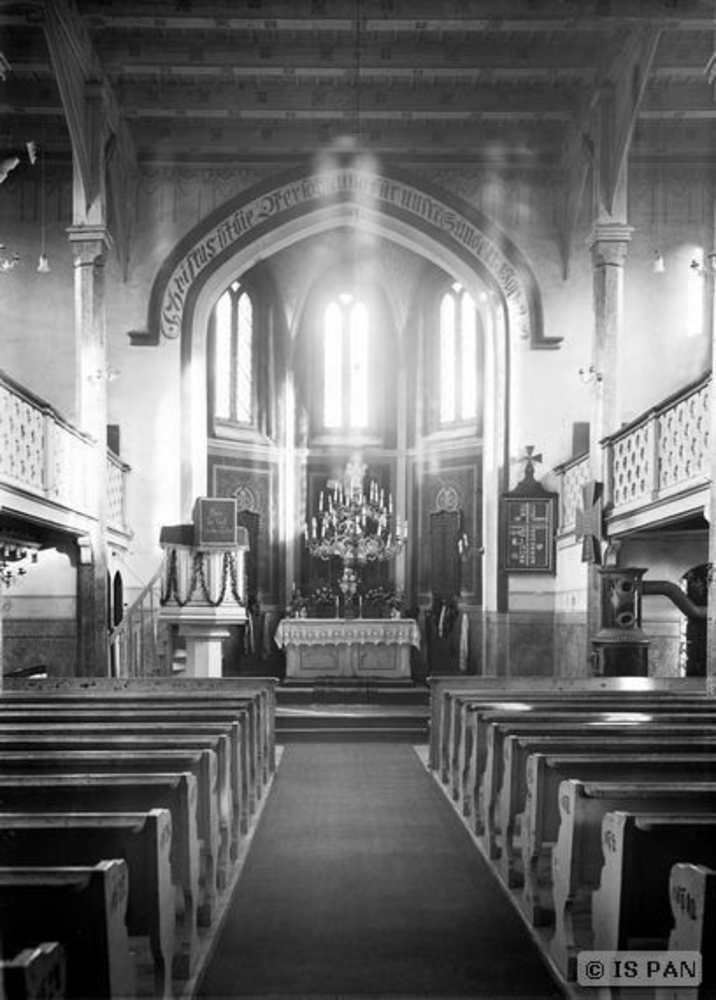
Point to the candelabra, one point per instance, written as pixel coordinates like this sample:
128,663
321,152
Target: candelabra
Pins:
355,526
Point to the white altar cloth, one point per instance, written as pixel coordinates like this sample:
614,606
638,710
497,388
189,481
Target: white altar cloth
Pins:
353,647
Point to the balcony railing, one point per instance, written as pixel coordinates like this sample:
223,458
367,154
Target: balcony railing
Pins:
663,453
45,458
656,459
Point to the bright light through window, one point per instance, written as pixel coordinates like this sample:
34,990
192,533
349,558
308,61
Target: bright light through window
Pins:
468,362
359,365
233,374
222,370
346,339
244,368
333,366
447,360
458,356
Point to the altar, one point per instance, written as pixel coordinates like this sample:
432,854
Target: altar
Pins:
347,648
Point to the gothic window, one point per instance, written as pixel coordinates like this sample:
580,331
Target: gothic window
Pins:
346,359
233,373
457,357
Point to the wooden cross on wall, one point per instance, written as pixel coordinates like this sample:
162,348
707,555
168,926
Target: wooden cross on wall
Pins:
530,459
589,524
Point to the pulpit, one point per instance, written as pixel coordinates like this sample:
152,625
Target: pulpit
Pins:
346,649
204,582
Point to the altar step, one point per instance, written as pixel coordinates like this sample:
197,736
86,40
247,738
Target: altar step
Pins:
365,692
351,722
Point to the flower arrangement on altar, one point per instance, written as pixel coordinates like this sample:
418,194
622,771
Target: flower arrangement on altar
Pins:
382,602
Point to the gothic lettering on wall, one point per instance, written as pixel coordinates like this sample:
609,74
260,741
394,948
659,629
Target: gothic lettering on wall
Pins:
461,228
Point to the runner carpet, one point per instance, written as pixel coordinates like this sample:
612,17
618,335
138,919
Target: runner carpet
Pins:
362,881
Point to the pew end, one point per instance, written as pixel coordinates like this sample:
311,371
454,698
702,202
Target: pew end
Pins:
37,973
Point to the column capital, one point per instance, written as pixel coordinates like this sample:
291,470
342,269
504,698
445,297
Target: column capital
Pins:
609,241
89,243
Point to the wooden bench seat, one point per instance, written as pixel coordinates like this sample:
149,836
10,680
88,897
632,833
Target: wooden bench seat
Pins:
630,909
465,711
72,738
541,819
129,793
235,722
512,795
692,892
483,787
82,907
36,973
258,692
467,759
98,723
576,859
241,713
526,689
143,840
443,688
201,763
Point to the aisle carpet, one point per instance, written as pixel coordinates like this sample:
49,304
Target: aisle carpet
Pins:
362,881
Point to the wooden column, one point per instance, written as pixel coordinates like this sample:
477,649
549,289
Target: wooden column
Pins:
609,244
89,246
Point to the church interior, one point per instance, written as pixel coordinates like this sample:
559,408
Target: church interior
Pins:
356,497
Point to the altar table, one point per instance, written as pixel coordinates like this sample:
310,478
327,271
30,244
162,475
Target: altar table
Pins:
347,648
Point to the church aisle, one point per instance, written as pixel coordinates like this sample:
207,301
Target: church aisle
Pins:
362,881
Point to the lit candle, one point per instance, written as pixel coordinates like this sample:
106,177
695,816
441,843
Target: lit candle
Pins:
320,501
313,526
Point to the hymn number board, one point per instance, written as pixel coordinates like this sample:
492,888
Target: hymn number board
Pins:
529,516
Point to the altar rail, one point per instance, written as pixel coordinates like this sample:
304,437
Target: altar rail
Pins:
45,458
657,459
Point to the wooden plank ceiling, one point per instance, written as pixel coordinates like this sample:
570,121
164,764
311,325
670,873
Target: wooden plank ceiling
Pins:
220,84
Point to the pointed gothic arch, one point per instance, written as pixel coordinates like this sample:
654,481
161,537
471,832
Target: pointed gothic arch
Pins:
415,214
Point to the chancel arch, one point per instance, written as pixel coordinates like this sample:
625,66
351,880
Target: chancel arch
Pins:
445,233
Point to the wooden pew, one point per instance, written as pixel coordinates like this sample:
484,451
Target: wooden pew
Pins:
142,840
576,860
229,711
36,973
164,734
72,738
494,728
469,759
201,763
630,909
82,907
125,793
512,795
692,891
442,690
197,692
541,819
234,723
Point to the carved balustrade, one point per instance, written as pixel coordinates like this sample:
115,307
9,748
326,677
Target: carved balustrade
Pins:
663,453
573,475
657,458
45,458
